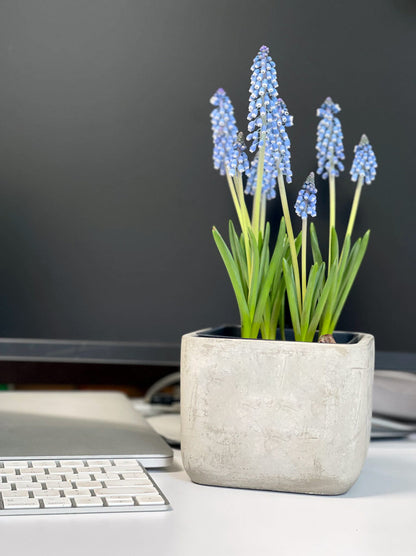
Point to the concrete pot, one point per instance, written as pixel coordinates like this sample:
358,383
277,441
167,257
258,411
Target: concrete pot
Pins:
275,415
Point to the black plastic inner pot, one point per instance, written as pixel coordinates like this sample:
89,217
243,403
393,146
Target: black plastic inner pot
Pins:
233,331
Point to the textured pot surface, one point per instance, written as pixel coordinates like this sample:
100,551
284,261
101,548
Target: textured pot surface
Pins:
275,415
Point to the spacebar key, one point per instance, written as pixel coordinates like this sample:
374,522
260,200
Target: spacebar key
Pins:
127,490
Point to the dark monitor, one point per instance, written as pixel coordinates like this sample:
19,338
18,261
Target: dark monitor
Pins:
107,191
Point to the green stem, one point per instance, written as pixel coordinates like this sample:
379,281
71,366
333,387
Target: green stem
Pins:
259,186
235,199
289,229
332,201
304,240
245,219
263,213
242,200
355,206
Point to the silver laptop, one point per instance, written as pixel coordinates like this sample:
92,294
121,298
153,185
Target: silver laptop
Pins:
58,425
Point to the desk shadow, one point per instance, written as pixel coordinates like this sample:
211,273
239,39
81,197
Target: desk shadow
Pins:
383,475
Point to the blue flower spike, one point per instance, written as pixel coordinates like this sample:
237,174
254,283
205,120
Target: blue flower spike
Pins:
224,130
306,206
330,154
329,140
364,164
238,161
262,108
363,170
269,176
306,202
268,115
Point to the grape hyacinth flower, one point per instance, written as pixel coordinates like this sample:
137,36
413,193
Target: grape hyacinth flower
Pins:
329,140
224,130
268,119
364,164
306,202
238,160
268,115
363,170
269,176
228,154
330,153
262,109
306,206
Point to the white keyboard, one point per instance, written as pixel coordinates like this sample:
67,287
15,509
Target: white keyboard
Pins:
77,486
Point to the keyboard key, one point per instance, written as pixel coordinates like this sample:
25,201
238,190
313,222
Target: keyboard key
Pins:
62,470
119,500
27,485
88,484
17,464
106,476
40,477
45,463
93,469
133,475
98,462
46,492
18,478
77,477
126,462
16,494
7,471
83,501
61,485
149,499
5,486
32,471
128,482
24,503
55,477
71,462
56,502
123,490
77,492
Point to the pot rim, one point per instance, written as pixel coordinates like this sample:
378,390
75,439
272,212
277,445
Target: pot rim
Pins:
358,340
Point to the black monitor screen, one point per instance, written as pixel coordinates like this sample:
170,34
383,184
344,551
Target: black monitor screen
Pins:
107,189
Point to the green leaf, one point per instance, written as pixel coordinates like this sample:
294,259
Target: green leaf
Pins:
334,246
292,298
264,252
350,263
234,275
266,285
316,252
239,257
278,306
343,262
282,319
330,303
254,278
307,302
351,274
319,285
281,250
321,302
298,242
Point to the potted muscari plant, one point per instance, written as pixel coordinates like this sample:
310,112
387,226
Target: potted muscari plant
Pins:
263,406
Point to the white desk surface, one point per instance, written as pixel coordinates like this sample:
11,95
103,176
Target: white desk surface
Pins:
376,517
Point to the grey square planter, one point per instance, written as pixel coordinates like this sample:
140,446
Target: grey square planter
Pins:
276,415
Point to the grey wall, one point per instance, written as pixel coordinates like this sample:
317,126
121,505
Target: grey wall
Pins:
107,193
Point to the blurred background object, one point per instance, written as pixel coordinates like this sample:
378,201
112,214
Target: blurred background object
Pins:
107,191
